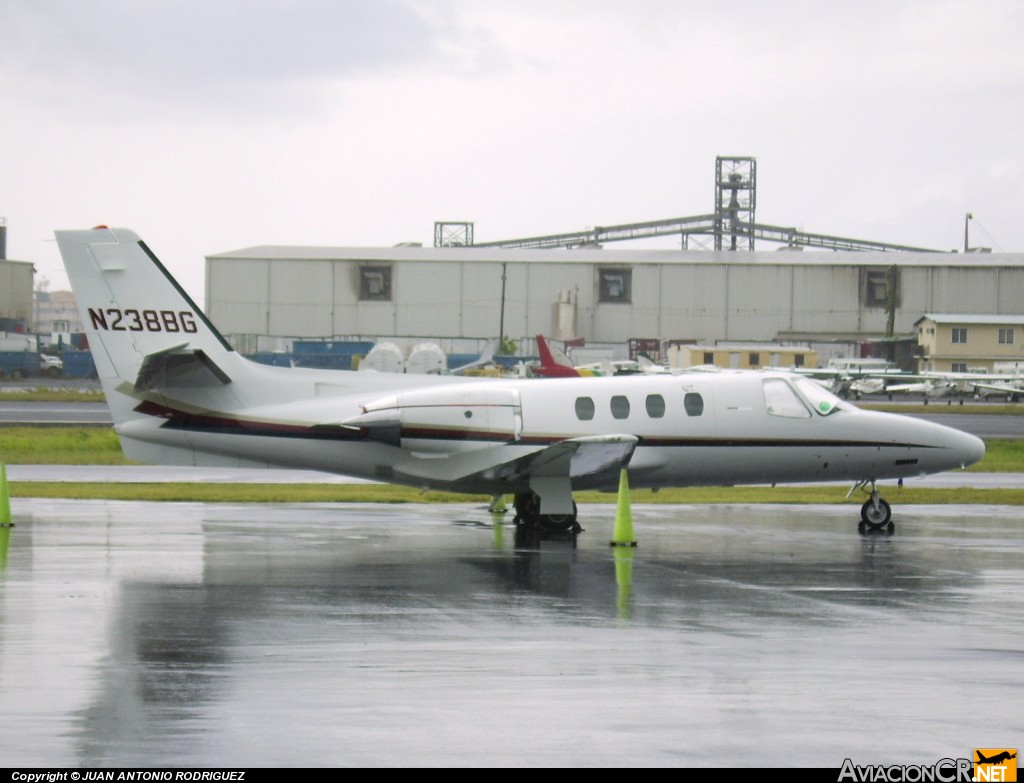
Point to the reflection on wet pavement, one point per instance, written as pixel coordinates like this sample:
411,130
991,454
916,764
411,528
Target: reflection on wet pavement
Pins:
317,634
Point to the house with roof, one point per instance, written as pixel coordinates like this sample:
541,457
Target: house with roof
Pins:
956,342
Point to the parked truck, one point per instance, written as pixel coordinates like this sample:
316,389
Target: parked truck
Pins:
20,358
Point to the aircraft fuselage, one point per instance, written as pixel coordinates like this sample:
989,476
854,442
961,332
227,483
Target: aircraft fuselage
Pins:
691,430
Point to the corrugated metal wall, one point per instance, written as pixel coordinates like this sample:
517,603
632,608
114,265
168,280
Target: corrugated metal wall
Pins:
303,298
433,298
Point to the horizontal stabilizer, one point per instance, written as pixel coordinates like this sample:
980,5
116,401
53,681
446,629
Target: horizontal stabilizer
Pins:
179,367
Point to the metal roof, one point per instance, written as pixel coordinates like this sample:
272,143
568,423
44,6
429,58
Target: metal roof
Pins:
981,320
590,255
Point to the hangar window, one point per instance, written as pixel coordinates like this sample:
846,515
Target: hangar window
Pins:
620,407
1006,336
655,406
959,335
584,408
694,404
375,283
874,287
958,367
615,285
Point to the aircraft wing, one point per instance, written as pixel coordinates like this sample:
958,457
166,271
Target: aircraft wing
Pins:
566,460
999,388
486,357
909,387
817,373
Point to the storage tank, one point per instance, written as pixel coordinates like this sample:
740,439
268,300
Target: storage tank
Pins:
426,359
383,357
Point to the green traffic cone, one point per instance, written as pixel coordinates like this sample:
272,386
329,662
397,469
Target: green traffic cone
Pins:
623,534
5,497
5,543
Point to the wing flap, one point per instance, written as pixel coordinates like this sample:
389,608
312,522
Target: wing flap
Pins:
574,458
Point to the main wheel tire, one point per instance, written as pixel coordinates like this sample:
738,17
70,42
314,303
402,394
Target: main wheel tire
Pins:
876,517
527,506
558,523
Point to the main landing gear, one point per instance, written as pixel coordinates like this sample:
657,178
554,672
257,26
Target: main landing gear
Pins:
527,505
875,514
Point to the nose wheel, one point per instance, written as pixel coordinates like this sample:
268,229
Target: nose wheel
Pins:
875,514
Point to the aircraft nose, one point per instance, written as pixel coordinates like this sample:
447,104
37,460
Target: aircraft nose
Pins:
969,448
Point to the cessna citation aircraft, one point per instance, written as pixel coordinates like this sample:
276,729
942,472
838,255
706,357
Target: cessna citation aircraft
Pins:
180,395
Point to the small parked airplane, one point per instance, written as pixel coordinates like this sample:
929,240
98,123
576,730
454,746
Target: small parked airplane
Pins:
1010,387
847,377
929,387
933,385
179,394
554,363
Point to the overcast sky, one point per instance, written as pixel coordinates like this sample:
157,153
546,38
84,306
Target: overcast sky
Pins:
212,126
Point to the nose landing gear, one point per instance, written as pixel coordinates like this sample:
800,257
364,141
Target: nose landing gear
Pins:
875,514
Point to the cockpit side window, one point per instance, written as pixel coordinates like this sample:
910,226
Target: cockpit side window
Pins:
781,400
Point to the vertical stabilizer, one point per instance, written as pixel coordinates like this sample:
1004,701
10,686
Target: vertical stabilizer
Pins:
145,332
130,306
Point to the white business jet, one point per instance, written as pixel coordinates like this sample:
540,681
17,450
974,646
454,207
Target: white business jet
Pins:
179,394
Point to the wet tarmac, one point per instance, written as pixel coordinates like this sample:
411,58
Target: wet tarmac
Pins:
148,474
147,634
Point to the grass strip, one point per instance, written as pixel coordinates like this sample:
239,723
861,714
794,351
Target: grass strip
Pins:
55,394
992,409
60,446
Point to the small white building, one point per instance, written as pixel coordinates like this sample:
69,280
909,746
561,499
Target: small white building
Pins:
742,357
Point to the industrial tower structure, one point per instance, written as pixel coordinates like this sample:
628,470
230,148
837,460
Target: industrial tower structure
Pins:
732,225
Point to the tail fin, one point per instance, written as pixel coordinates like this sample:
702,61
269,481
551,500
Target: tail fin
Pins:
146,334
553,362
130,305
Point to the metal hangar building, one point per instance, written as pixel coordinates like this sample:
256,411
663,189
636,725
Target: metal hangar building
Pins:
714,288
601,295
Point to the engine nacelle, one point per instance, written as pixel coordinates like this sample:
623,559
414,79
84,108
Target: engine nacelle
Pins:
444,419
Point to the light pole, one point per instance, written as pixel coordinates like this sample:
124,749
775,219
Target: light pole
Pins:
501,321
967,221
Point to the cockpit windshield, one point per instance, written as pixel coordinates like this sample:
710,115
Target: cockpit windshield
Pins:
821,399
